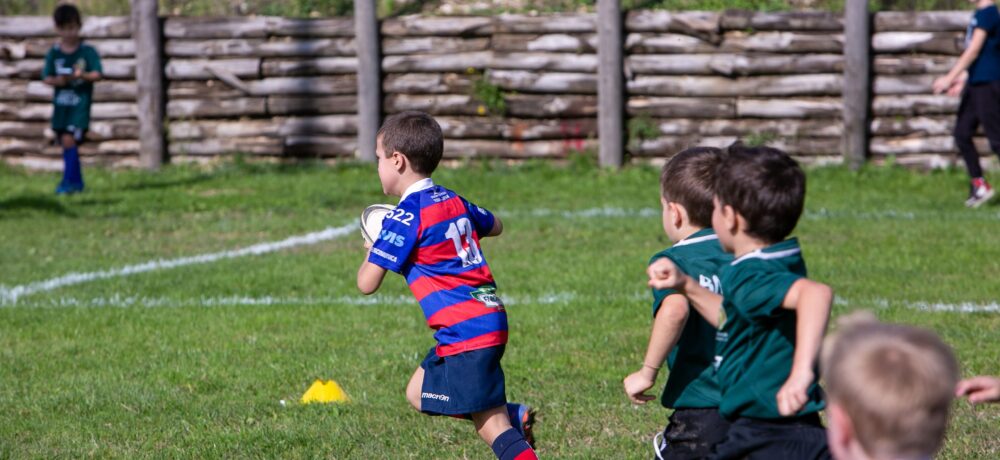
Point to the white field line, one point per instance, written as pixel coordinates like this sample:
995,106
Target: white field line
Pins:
128,301
556,298
11,295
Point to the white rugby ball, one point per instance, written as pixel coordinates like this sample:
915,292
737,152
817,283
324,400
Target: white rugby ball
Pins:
371,221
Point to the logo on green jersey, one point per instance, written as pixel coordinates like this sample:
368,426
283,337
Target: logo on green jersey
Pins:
488,296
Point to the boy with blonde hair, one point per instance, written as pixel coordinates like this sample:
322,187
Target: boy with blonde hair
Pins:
770,317
432,239
889,390
685,341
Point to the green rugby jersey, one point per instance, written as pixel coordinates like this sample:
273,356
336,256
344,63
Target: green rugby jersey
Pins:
756,342
71,103
691,382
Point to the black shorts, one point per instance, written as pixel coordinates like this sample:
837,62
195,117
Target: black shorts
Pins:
79,134
800,438
692,433
469,382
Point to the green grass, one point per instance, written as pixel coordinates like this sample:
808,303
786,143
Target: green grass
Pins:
173,363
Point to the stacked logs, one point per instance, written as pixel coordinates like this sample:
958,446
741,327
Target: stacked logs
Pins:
910,51
265,86
26,102
510,86
702,78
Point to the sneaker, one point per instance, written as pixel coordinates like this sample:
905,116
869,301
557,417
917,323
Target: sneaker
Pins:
526,421
980,193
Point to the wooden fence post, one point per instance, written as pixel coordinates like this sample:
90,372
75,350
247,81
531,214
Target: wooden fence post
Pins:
147,34
369,77
610,92
857,82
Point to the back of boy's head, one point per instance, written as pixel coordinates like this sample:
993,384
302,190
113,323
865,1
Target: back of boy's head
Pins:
895,383
66,15
765,186
688,179
417,136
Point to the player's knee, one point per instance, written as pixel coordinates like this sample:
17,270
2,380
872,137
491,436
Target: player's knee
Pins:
68,141
414,398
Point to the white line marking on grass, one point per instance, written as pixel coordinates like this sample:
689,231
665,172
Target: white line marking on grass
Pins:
119,300
818,214
11,295
881,304
127,301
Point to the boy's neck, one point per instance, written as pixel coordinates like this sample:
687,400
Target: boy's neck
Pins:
409,179
984,3
744,244
688,231
67,43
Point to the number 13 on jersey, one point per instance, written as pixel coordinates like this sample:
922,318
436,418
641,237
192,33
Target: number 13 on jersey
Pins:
468,251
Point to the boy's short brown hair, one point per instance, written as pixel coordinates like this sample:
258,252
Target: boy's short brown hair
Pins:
765,186
417,136
688,179
896,384
66,15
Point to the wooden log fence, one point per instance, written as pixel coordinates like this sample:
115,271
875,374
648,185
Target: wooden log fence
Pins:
508,86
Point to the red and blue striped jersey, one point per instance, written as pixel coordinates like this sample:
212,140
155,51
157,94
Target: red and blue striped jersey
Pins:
432,239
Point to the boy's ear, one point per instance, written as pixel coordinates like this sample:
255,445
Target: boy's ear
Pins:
733,221
677,213
840,428
398,161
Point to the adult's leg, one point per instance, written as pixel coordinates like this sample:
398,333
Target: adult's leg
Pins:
965,127
989,115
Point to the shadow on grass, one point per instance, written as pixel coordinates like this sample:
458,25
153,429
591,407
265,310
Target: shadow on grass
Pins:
41,203
152,182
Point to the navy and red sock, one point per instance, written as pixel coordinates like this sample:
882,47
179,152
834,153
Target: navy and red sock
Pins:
510,445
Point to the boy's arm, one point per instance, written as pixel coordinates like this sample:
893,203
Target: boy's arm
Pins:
91,76
49,76
56,80
667,327
94,64
968,57
497,227
370,276
980,389
664,274
812,302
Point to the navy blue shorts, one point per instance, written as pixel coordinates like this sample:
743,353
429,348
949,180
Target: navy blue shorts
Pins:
461,384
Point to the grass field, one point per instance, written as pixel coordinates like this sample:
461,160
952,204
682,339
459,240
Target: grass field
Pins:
191,361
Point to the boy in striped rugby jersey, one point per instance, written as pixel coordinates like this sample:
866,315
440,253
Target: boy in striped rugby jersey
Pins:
432,239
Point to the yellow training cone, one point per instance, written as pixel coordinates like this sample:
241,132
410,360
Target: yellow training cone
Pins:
327,392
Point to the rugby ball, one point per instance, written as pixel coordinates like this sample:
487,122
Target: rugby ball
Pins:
371,221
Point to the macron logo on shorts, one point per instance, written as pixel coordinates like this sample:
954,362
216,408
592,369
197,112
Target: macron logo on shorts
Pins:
438,397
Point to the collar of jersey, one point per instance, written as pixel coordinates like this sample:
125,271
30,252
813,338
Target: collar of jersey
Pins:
705,234
785,248
418,186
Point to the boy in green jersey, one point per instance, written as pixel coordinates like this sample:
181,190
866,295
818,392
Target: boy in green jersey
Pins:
686,191
71,68
770,317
